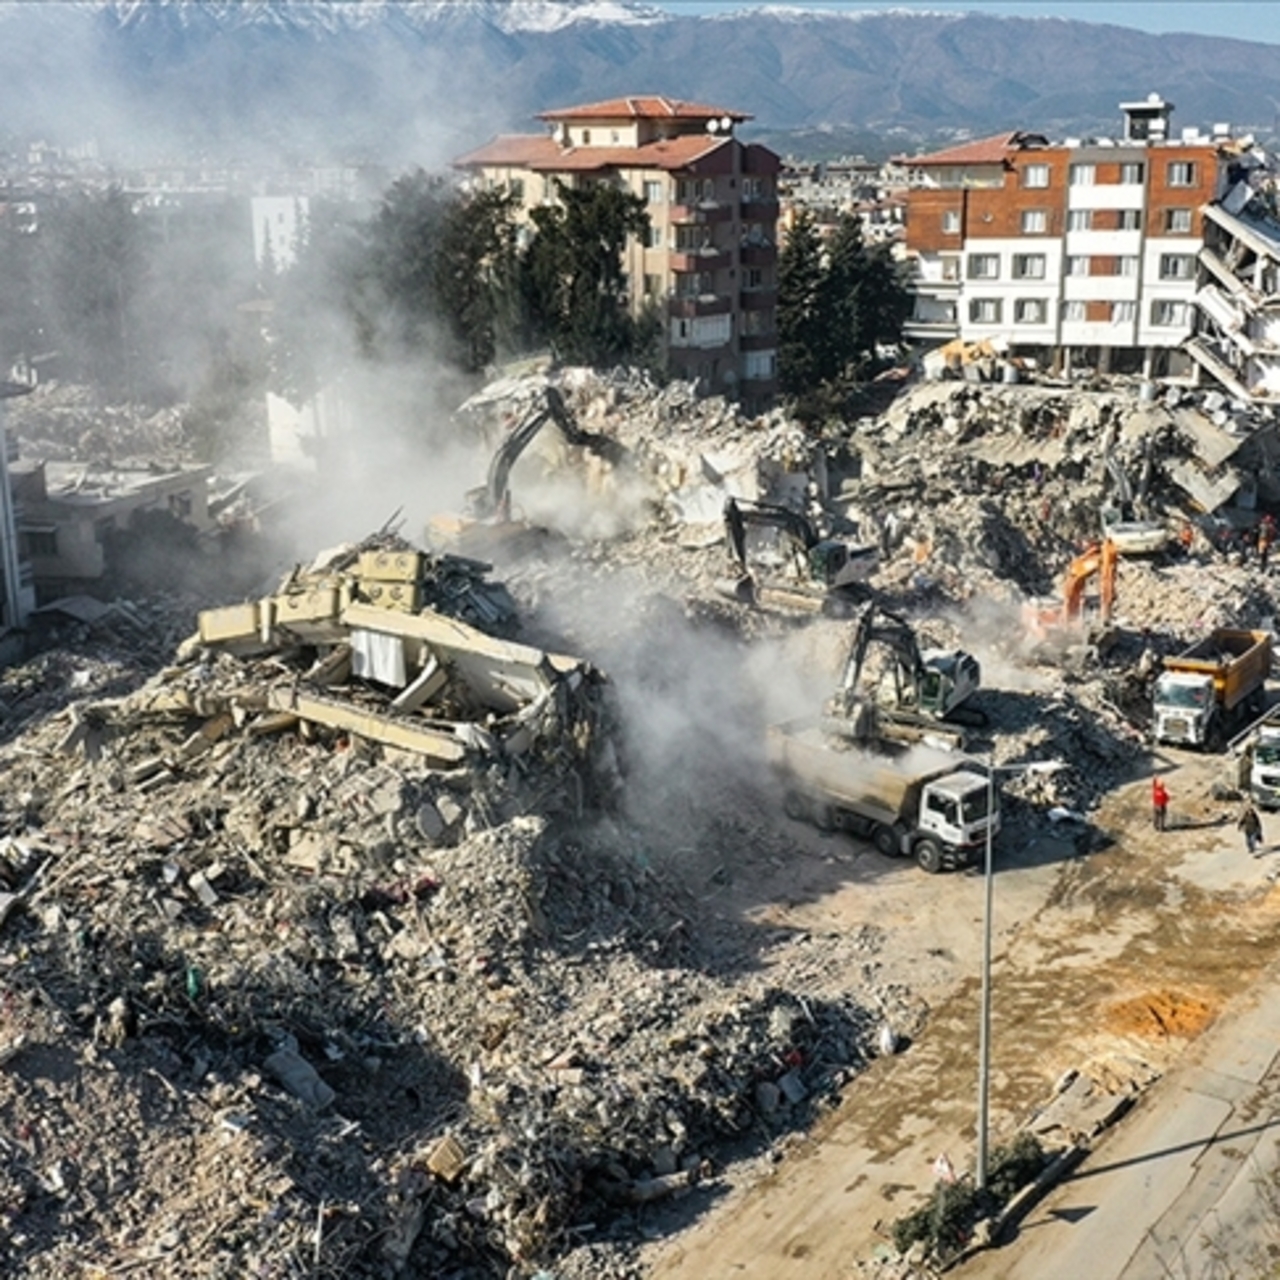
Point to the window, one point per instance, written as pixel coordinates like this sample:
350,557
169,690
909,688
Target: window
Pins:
691,239
984,266
652,286
1030,311
1073,310
1128,266
1177,266
42,542
1182,173
1166,313
653,236
1124,312
1028,266
653,192
752,277
1132,173
984,310
586,137
1079,219
1035,175
950,267
1082,175
1128,219
951,221
1034,222
753,189
516,187
1077,266
754,322
758,364
688,284
1177,221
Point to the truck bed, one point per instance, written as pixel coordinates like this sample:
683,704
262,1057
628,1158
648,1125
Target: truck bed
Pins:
1239,662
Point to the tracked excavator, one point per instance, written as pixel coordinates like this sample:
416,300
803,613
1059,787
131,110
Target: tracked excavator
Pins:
1071,625
922,694
829,574
488,524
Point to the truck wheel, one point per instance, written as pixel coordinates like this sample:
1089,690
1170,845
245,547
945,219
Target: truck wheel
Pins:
929,856
885,840
795,805
824,817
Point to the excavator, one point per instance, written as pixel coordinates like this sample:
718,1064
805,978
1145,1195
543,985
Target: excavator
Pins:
922,695
488,523
837,569
1067,625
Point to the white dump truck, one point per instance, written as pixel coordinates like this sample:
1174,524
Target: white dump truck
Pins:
1208,690
927,805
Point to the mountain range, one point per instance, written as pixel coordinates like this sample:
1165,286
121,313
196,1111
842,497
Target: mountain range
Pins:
419,81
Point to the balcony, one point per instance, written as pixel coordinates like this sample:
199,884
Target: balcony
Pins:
701,214
708,259
704,304
760,208
758,255
758,299
757,341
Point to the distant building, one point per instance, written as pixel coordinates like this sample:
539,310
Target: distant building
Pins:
67,511
1082,251
711,261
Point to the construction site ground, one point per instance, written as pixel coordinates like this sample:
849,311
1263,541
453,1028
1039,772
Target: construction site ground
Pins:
1108,962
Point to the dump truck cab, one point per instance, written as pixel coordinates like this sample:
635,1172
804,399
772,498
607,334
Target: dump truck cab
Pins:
954,812
1264,769
1183,705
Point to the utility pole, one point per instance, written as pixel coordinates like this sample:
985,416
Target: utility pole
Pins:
984,1021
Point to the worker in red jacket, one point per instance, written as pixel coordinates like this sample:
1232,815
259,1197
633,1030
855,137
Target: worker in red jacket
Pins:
1159,803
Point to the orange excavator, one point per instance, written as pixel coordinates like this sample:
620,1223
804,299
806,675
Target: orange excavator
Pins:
1072,619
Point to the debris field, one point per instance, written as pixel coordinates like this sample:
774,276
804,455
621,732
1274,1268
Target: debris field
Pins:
336,939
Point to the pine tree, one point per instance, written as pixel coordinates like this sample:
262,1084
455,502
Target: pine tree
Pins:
801,323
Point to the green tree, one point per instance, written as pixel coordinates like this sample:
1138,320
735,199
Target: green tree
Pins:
95,269
572,284
865,300
802,324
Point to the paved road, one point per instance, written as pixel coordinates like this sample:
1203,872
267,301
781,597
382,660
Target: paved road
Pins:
1187,1187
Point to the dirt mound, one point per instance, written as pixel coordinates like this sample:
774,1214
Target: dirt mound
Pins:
1160,1015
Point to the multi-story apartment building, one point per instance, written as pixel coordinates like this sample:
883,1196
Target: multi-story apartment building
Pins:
710,262
1079,249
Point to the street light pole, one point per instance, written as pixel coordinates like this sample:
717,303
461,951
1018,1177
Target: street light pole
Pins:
984,1022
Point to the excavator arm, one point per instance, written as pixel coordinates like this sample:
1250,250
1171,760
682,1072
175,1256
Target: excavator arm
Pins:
495,495
739,513
897,635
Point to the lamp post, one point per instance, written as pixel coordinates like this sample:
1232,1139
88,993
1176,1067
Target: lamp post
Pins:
984,1016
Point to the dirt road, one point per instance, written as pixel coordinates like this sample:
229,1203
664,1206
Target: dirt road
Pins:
1111,960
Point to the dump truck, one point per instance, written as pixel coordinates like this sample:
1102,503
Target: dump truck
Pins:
1205,691
927,805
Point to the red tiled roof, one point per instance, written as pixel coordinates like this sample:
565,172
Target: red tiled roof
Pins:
982,151
650,107
545,155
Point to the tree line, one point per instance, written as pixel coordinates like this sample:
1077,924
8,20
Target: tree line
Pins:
154,309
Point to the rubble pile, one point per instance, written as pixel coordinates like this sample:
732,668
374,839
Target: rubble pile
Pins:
64,422
363,981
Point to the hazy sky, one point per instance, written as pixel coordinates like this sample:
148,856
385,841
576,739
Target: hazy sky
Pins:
1241,19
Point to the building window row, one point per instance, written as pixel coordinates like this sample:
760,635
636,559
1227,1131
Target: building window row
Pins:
1178,173
1164,312
1034,266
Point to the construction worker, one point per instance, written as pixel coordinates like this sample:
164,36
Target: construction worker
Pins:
1251,825
1159,804
1186,536
1266,536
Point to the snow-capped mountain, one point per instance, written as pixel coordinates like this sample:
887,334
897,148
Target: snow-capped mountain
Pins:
419,81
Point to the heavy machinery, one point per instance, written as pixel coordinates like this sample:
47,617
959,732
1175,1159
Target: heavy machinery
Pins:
916,694
837,569
1070,621
1205,690
488,522
934,808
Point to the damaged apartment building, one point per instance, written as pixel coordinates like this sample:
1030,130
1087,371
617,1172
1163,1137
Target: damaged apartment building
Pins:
710,259
1108,254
